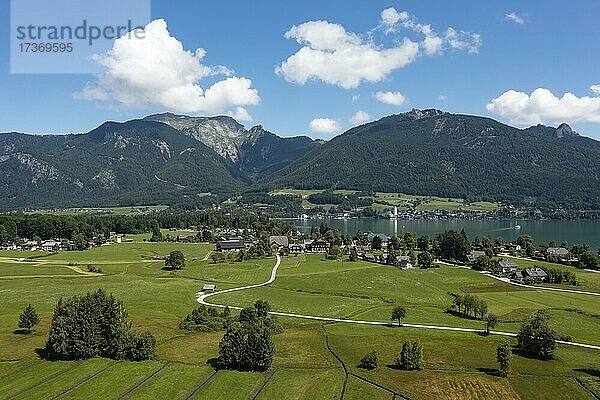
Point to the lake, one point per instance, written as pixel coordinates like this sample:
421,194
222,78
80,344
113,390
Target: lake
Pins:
542,231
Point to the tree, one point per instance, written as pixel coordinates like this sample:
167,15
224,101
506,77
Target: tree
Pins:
376,243
353,255
175,260
79,241
398,313
157,235
28,319
482,263
503,356
369,361
491,320
537,338
588,260
526,243
411,356
334,252
425,259
423,242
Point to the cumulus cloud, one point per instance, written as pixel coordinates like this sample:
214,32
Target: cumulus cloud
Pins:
442,97
514,17
391,98
157,72
595,89
325,125
335,56
360,118
542,107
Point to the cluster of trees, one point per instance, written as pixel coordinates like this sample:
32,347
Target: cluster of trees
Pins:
204,319
556,275
247,344
451,245
411,356
95,325
409,359
470,305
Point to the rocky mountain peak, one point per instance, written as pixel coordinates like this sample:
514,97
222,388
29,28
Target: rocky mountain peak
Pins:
564,130
222,133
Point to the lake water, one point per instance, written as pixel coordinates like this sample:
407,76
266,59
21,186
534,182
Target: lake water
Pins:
542,231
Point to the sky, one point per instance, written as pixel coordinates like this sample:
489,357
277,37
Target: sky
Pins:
319,68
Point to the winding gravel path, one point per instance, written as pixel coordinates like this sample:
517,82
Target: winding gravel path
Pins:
202,300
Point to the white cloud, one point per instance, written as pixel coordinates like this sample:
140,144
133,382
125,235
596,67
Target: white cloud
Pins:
156,72
360,118
240,114
341,58
442,97
325,125
391,98
542,107
433,43
335,56
514,17
390,17
595,89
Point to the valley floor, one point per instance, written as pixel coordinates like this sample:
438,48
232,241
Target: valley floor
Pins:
314,359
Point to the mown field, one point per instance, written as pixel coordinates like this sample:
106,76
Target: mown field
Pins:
309,357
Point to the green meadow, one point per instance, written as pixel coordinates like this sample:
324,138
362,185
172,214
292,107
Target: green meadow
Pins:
310,354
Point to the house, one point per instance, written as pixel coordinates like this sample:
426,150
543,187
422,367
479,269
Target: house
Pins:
474,255
296,248
557,252
384,238
383,258
505,267
530,275
185,238
369,257
278,242
403,262
511,247
50,245
360,249
209,288
8,246
30,245
318,246
230,245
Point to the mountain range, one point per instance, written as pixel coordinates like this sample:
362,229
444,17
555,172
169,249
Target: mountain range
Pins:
164,158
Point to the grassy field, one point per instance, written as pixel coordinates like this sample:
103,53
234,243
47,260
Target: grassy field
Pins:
382,201
457,365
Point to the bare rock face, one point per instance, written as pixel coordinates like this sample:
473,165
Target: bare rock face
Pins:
565,130
223,134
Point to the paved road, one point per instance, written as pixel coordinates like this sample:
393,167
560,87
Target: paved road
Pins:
507,280
202,300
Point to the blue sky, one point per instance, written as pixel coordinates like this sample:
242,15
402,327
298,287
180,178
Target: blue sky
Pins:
554,48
